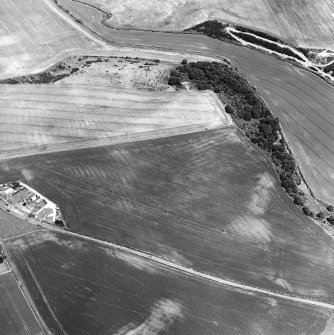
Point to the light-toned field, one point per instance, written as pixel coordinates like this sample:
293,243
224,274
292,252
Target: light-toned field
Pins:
306,22
41,118
31,32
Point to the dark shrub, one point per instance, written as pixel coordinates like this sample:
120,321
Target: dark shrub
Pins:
307,211
175,73
330,208
184,61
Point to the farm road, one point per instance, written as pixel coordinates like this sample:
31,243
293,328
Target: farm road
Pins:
191,272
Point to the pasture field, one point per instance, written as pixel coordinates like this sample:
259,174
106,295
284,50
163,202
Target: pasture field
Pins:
207,200
32,31
306,23
16,317
96,290
41,118
126,73
290,92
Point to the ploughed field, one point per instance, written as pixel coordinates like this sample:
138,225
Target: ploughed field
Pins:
307,22
33,32
207,200
16,317
294,95
41,118
96,290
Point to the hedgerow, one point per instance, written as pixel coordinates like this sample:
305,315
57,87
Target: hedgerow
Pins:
244,103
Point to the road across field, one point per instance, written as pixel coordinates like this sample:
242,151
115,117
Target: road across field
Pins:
192,272
299,98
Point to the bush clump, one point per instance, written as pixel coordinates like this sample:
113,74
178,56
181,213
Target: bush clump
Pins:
307,211
331,220
298,200
172,81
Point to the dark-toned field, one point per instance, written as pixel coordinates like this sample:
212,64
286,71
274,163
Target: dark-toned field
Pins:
208,200
296,96
16,317
93,290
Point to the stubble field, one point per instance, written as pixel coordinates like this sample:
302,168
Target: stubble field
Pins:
208,200
42,118
94,290
306,23
292,93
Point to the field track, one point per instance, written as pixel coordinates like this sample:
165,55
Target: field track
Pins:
292,93
46,118
191,272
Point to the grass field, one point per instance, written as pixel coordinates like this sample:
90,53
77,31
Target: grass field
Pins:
93,290
12,226
290,92
208,200
36,118
306,22
31,32
16,317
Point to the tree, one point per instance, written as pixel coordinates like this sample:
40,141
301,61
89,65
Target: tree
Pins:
330,208
256,111
229,109
265,129
320,215
184,62
247,116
